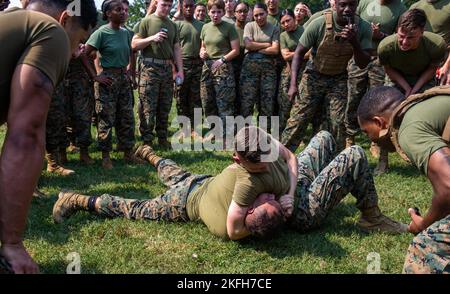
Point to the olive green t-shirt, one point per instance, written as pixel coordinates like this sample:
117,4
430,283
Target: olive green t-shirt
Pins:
438,17
240,32
410,64
420,133
31,38
315,31
189,33
210,202
276,18
289,40
217,38
152,25
113,45
231,20
267,34
315,16
386,15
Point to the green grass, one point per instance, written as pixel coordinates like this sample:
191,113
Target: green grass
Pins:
123,246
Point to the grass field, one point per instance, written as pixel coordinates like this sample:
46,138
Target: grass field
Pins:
123,246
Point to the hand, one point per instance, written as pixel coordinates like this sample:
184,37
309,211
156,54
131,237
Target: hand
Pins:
158,37
79,51
179,74
293,91
218,63
349,33
444,74
106,81
376,33
305,10
287,203
416,226
203,54
19,259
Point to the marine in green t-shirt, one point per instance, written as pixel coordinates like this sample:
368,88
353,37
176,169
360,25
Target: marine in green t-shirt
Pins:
422,132
333,42
217,38
411,66
438,17
289,40
189,33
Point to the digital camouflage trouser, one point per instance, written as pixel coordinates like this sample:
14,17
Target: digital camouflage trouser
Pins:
315,90
171,206
325,178
114,108
155,100
55,130
429,251
359,82
258,86
187,95
80,105
217,90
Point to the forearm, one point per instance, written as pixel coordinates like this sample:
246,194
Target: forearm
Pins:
139,44
362,57
238,231
287,55
178,59
17,182
424,78
440,208
295,66
272,50
397,78
232,54
255,46
91,71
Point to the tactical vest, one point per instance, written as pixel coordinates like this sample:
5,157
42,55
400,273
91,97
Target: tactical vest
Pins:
332,56
399,112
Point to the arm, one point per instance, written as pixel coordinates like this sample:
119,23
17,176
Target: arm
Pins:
426,76
178,60
299,55
229,56
287,201
274,49
91,70
439,176
287,55
444,72
255,46
139,43
397,78
203,54
362,57
131,70
31,92
236,221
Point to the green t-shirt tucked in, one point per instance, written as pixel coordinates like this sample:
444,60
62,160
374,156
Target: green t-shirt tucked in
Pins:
438,17
420,133
152,25
289,40
267,34
386,15
210,202
217,38
412,63
114,46
189,33
31,38
315,31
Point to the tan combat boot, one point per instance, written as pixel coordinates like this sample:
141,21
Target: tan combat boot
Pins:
373,220
130,158
106,160
349,141
84,156
146,152
63,155
67,204
53,165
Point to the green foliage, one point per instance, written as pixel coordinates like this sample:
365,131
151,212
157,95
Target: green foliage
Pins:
136,12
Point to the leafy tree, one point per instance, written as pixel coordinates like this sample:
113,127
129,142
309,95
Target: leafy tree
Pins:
136,12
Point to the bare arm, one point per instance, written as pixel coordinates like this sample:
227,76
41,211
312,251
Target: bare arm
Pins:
139,43
439,176
236,228
444,72
92,72
287,201
178,60
426,76
255,46
362,57
287,55
274,49
31,92
299,55
397,78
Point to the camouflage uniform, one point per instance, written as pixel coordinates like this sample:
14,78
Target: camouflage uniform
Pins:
258,85
155,100
217,90
359,81
171,206
324,179
187,95
429,250
114,108
284,103
80,103
315,91
55,131
237,68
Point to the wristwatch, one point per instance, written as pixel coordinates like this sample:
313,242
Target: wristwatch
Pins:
223,59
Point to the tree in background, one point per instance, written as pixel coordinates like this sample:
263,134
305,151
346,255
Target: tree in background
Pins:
136,12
